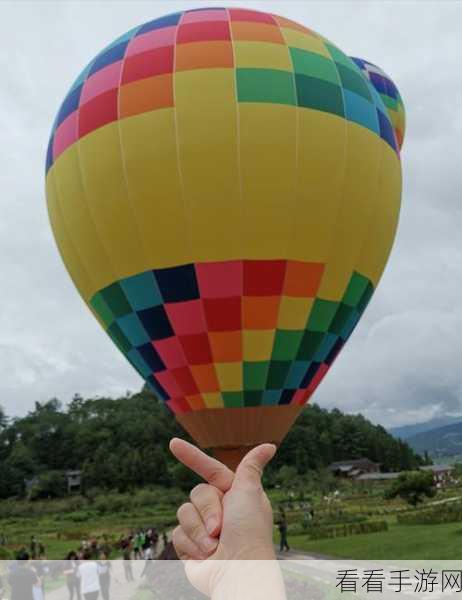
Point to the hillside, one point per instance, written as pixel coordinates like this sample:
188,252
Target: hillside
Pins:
122,444
442,441
406,431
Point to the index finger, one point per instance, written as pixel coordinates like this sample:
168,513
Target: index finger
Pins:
205,466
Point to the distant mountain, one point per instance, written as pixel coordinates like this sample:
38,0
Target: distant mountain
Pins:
407,431
442,441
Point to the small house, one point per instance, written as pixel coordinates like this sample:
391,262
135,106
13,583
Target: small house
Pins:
354,468
74,481
442,474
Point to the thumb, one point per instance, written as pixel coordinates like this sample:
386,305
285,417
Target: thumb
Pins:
250,470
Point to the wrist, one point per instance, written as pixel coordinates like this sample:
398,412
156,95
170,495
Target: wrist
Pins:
249,579
256,552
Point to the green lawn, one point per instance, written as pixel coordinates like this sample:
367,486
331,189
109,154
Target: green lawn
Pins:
60,534
400,542
62,524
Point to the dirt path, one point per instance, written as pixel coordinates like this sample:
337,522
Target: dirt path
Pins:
445,501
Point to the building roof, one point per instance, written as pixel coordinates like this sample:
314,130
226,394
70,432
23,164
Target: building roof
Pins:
437,468
377,476
345,465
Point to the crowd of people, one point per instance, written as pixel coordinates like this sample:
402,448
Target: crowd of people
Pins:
87,569
142,544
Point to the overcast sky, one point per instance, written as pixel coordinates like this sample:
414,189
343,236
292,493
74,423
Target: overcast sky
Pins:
404,362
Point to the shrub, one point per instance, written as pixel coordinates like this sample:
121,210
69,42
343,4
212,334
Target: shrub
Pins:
80,516
146,498
76,503
286,476
5,554
301,522
74,534
412,486
112,503
317,533
446,513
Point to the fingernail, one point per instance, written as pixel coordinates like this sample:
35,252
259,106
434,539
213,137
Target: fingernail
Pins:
208,544
211,524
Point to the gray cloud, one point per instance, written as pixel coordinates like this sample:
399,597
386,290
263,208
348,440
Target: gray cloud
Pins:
403,362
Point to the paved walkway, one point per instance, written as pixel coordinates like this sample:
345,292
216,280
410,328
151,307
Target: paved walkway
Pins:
301,555
120,589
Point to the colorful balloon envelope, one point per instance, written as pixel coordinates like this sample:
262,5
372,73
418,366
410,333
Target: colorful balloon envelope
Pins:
224,188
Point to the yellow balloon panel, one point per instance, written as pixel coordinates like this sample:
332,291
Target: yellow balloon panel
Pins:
106,194
378,239
268,178
360,183
153,178
321,158
206,121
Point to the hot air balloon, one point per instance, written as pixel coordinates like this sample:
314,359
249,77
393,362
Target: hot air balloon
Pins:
224,188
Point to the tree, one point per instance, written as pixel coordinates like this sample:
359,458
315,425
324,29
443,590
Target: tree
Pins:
412,486
183,477
287,476
11,481
3,419
122,443
427,459
51,484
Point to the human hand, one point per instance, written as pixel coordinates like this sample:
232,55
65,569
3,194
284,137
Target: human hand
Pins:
228,519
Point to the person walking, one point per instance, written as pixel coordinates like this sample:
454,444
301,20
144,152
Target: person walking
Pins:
139,541
165,538
127,561
33,547
89,577
136,545
104,572
22,579
71,573
148,570
282,526
37,588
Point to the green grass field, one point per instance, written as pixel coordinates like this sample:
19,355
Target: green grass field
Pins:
62,524
400,542
61,531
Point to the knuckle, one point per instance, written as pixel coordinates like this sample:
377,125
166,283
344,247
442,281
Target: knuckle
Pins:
196,531
177,534
207,511
255,469
216,475
200,490
183,511
178,538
